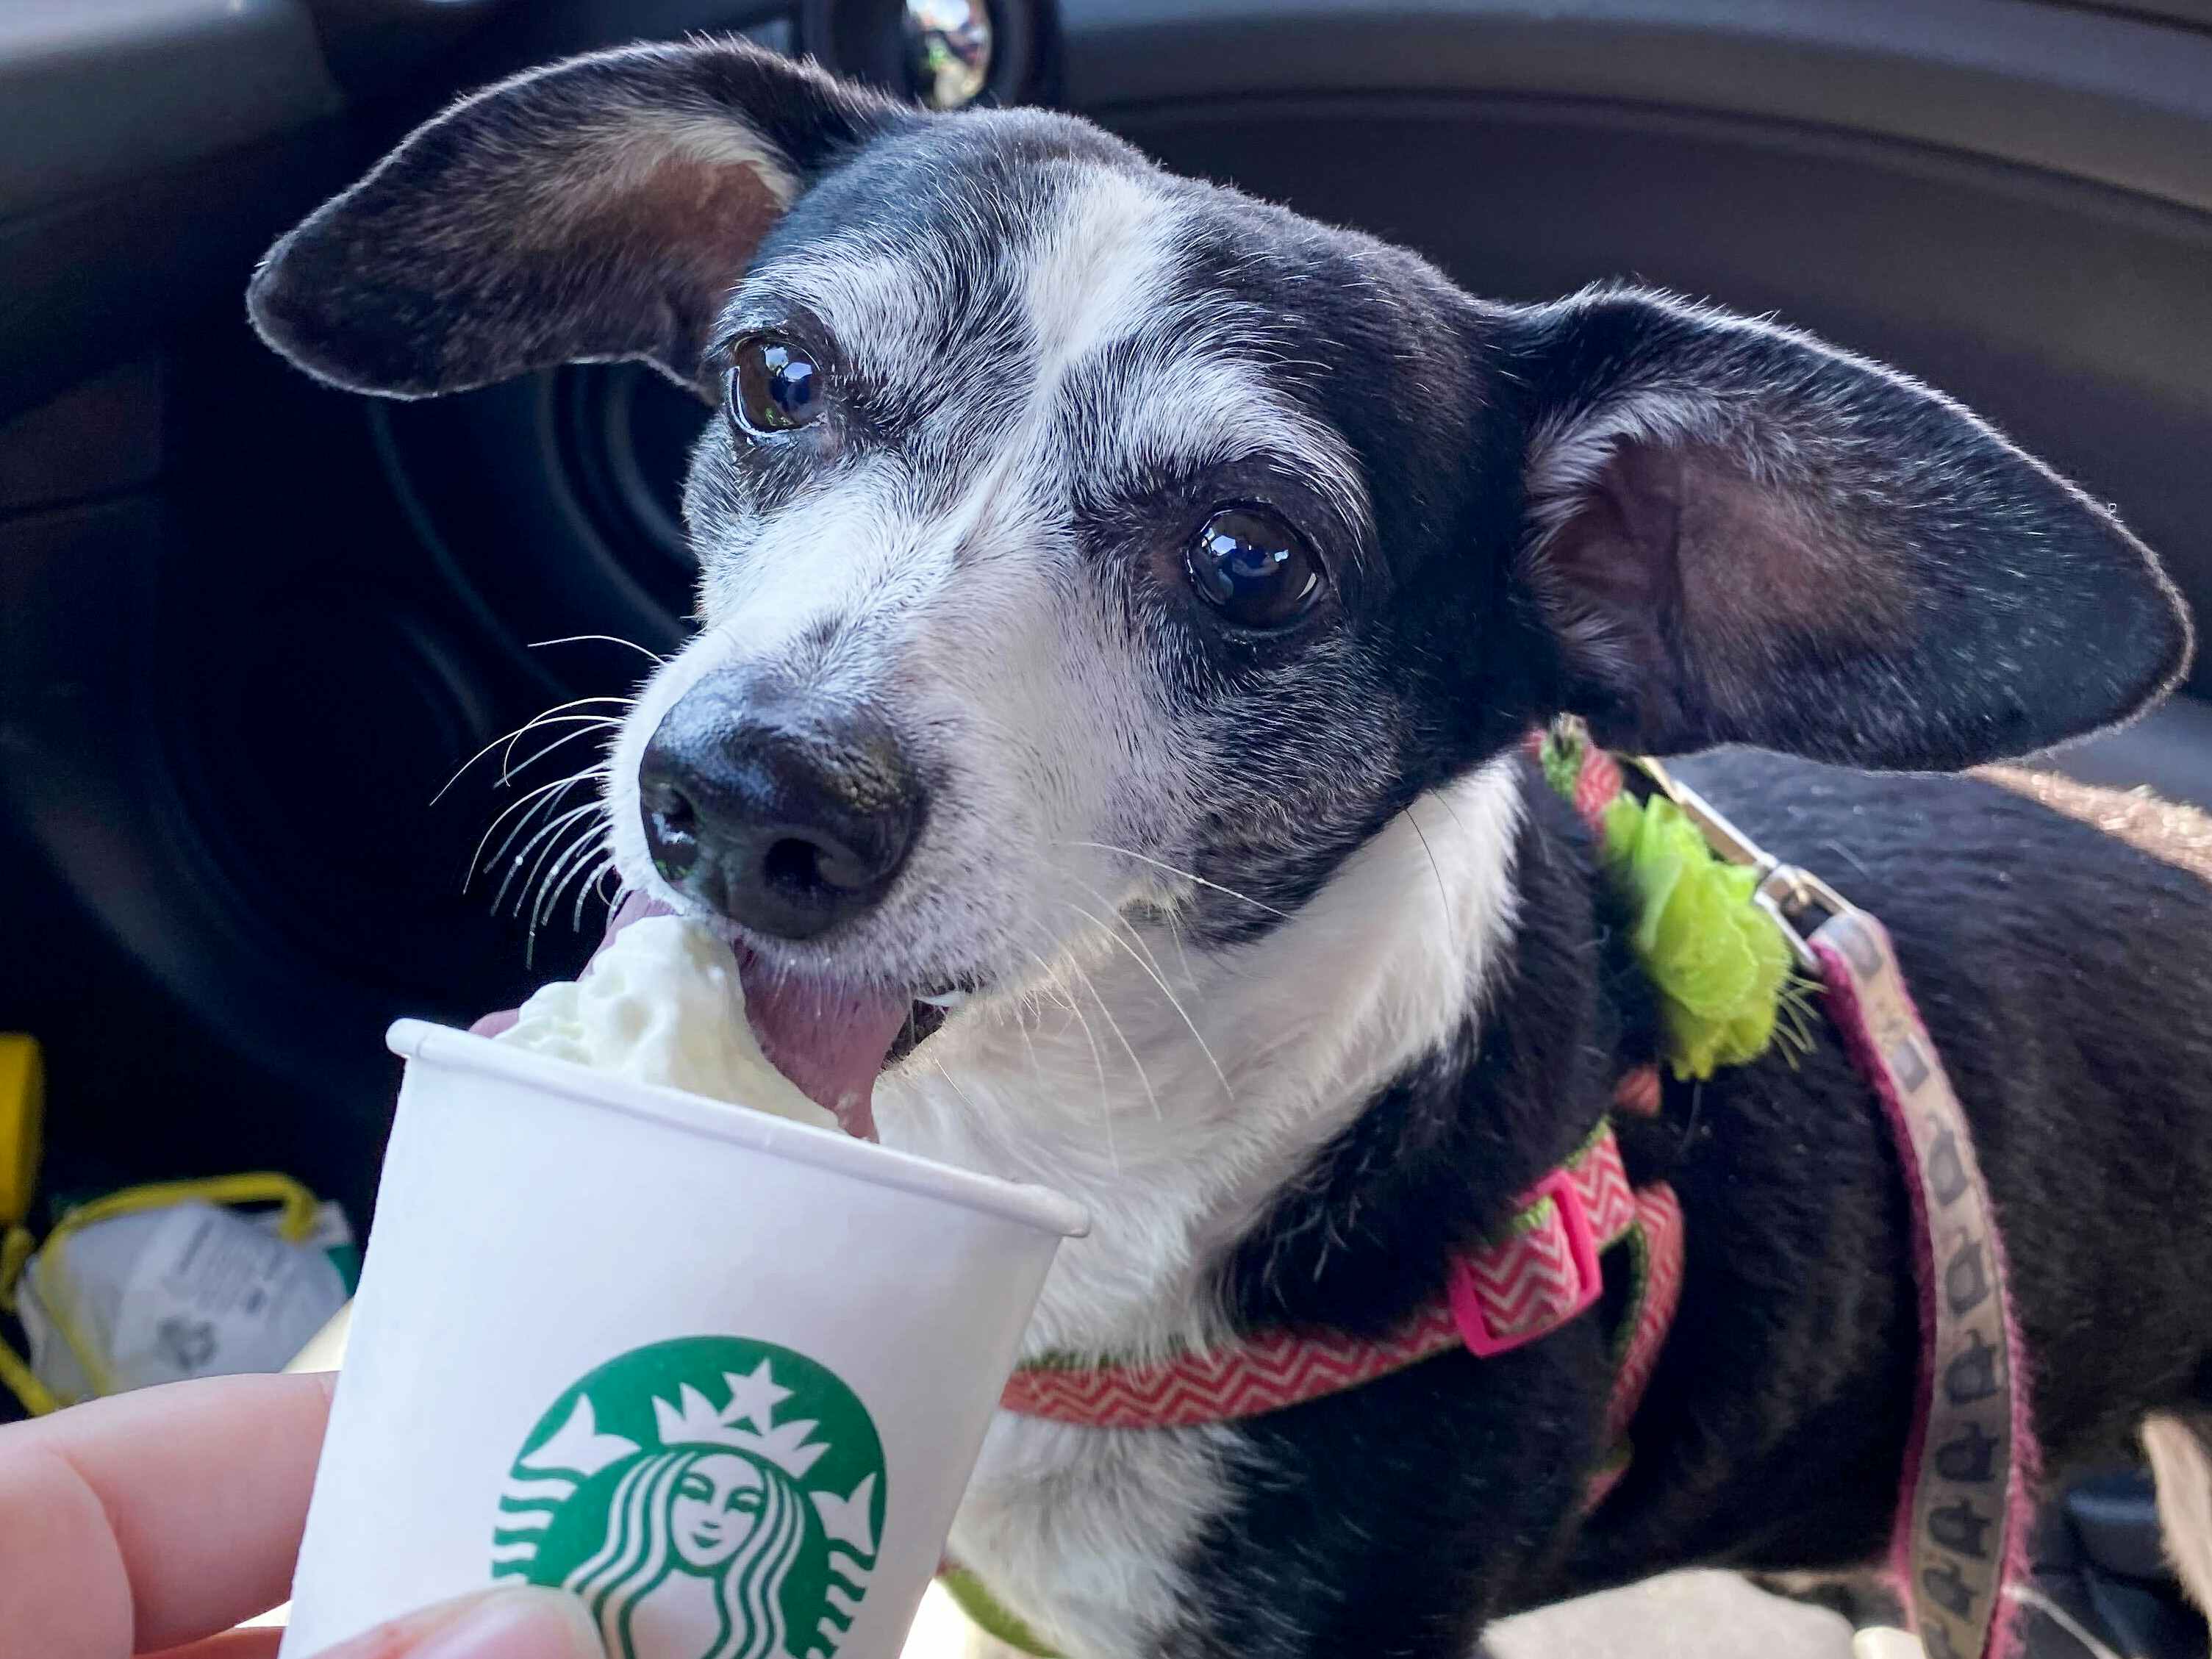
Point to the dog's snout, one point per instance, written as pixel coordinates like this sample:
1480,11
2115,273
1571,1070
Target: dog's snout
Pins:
786,819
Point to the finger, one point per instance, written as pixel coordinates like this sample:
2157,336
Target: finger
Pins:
161,1517
508,1624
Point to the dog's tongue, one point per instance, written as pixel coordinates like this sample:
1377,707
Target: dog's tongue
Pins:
832,1047
831,1044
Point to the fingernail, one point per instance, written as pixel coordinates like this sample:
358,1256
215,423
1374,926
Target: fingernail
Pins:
509,1624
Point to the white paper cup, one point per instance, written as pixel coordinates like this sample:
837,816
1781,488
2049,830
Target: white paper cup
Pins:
723,1376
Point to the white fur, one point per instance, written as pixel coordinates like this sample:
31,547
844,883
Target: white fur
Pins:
1222,408
977,616
1078,1531
1098,274
1174,1156
877,302
1082,1529
1173,1091
2181,1471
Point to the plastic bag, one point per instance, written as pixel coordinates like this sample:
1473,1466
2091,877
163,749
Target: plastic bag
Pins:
158,1283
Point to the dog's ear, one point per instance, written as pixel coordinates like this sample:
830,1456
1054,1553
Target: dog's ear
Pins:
1736,534
598,209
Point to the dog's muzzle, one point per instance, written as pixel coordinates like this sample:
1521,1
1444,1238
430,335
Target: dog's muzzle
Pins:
787,817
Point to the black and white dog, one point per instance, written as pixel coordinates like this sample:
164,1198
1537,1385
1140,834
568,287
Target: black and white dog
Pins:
1123,604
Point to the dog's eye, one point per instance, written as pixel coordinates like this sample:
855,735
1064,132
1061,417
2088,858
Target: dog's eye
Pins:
1254,568
773,385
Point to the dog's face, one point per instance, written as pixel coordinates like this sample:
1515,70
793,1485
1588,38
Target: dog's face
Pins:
1076,539
1094,500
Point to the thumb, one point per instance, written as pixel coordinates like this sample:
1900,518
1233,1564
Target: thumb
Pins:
505,1624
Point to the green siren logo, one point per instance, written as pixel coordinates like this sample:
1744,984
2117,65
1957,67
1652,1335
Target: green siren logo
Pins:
708,1498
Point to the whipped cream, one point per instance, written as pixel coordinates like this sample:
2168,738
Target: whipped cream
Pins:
661,1003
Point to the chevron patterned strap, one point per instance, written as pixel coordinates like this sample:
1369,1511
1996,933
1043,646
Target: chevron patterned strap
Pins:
1962,1519
1538,1273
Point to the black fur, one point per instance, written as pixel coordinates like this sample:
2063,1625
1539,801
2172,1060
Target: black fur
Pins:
2057,969
1793,547
1816,554
1691,528
450,266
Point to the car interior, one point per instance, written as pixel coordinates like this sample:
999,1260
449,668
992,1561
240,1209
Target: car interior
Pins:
252,631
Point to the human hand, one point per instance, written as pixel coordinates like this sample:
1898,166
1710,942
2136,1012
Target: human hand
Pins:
153,1522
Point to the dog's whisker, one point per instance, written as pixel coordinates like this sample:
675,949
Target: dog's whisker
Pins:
1435,869
461,771
611,900
579,864
1098,1059
588,724
547,836
1443,801
506,761
527,831
597,768
953,1083
583,864
1048,991
602,639
542,798
1117,919
1185,875
1174,931
578,857
1115,1025
1055,991
556,845
1174,1002
588,888
555,877
1029,1048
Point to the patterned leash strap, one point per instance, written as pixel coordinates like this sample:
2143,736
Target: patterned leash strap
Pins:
1962,1518
1963,1513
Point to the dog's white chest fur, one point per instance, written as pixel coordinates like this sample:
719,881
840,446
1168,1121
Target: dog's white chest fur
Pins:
1175,1118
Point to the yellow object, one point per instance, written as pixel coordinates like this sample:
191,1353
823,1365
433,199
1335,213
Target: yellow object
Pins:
22,1106
15,1375
16,1248
263,1188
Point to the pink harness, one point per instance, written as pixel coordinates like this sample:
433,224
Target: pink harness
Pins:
1962,1521
1540,1272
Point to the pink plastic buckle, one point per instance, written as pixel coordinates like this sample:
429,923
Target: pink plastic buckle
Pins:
1582,1251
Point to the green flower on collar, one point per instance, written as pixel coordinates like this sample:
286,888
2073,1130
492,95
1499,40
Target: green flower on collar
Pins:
1717,959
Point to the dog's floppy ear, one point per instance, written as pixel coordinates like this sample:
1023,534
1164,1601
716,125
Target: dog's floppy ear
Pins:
598,209
1736,534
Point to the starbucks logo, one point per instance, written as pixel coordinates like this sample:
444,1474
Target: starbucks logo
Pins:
708,1498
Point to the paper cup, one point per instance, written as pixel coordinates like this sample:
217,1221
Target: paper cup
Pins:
722,1376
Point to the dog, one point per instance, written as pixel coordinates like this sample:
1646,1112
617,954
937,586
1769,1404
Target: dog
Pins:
1123,605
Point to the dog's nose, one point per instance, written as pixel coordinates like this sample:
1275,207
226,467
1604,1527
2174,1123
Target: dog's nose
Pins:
787,820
